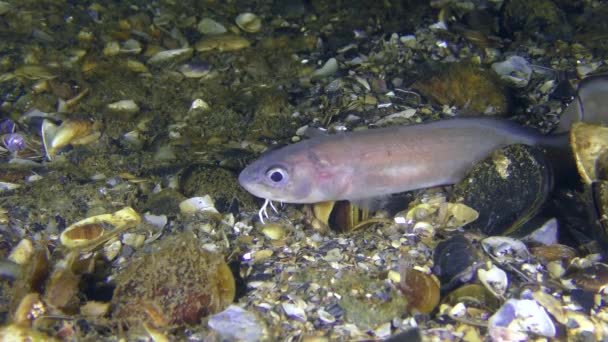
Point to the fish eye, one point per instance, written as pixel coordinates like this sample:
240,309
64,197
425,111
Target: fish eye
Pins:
276,175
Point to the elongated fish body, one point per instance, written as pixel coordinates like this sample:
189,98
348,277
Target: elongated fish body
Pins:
377,162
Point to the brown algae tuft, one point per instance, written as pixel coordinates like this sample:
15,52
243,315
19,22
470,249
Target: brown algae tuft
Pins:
176,285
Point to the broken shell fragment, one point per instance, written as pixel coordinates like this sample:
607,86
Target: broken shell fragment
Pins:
222,43
494,279
70,132
169,57
248,22
505,249
195,205
124,106
520,318
96,230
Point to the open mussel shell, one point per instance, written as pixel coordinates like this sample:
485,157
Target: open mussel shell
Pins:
96,230
507,188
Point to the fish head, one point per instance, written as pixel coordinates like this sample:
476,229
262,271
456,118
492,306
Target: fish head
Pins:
294,174
277,176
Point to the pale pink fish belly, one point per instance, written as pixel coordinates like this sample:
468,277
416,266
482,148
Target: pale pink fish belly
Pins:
378,162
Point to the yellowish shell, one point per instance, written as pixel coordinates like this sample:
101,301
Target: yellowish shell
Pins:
249,22
91,232
70,132
589,143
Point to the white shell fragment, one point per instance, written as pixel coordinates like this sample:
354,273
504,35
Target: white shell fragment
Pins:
249,22
237,324
514,70
520,317
494,279
505,249
294,311
174,56
124,106
195,205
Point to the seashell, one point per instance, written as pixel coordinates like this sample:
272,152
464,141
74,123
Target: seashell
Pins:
194,70
4,7
590,146
421,290
521,317
328,69
515,70
112,48
62,288
505,249
22,253
210,27
124,106
222,43
34,72
16,332
30,307
70,132
195,205
551,304
554,252
599,212
137,66
169,57
518,181
95,309
473,295
274,231
96,230
237,324
454,260
494,279
249,22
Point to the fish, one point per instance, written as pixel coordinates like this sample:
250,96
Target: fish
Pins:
372,163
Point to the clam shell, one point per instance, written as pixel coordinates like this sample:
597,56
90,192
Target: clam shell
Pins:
92,231
249,22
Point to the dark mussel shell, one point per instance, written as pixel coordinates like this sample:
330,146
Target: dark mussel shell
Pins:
454,261
507,188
